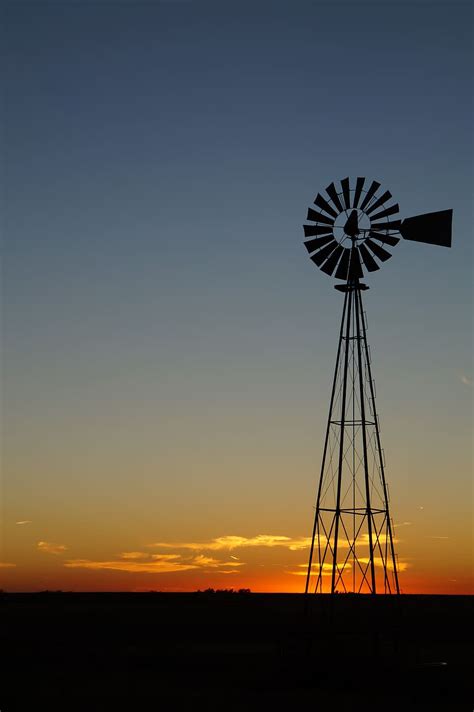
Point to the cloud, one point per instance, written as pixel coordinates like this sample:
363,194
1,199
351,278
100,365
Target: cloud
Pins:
327,569
232,542
437,537
466,380
5,565
24,521
154,564
202,560
50,548
165,557
145,567
133,555
378,561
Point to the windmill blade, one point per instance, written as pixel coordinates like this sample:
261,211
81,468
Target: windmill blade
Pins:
377,250
355,266
391,210
346,191
389,225
369,261
324,205
323,254
318,217
380,201
432,228
311,230
343,268
370,194
331,191
313,245
359,185
389,239
330,265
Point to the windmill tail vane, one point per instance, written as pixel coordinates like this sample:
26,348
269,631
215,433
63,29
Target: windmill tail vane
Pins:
353,540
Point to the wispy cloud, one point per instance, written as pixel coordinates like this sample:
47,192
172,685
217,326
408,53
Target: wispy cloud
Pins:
466,380
24,521
195,555
232,542
165,557
202,560
327,568
133,555
5,565
148,567
378,561
303,569
140,562
49,548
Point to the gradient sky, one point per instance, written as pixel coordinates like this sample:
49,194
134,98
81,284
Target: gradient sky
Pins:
167,346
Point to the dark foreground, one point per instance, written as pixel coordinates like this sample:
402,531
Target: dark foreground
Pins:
160,651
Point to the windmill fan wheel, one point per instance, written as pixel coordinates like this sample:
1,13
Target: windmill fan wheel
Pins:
352,229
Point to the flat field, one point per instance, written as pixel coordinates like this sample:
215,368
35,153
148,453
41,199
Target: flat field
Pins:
234,651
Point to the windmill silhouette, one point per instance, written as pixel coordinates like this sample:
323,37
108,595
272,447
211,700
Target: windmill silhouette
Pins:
352,545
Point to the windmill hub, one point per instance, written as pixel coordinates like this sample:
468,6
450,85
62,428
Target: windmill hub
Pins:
351,225
351,228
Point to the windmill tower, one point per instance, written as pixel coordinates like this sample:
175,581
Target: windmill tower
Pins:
352,545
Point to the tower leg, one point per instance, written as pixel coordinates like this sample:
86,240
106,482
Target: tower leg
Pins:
389,540
325,452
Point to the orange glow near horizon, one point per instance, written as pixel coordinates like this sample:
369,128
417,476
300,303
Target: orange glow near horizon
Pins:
43,553
278,584
173,572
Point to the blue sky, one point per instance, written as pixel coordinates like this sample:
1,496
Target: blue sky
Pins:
167,344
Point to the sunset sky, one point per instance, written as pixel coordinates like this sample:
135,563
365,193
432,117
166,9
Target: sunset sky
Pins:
167,345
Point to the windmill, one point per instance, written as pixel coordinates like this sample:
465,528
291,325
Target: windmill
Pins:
352,545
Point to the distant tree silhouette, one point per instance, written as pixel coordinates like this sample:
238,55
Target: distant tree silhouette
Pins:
221,591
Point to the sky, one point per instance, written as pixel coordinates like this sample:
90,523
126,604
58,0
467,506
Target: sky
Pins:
167,346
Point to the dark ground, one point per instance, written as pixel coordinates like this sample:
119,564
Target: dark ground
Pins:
162,651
